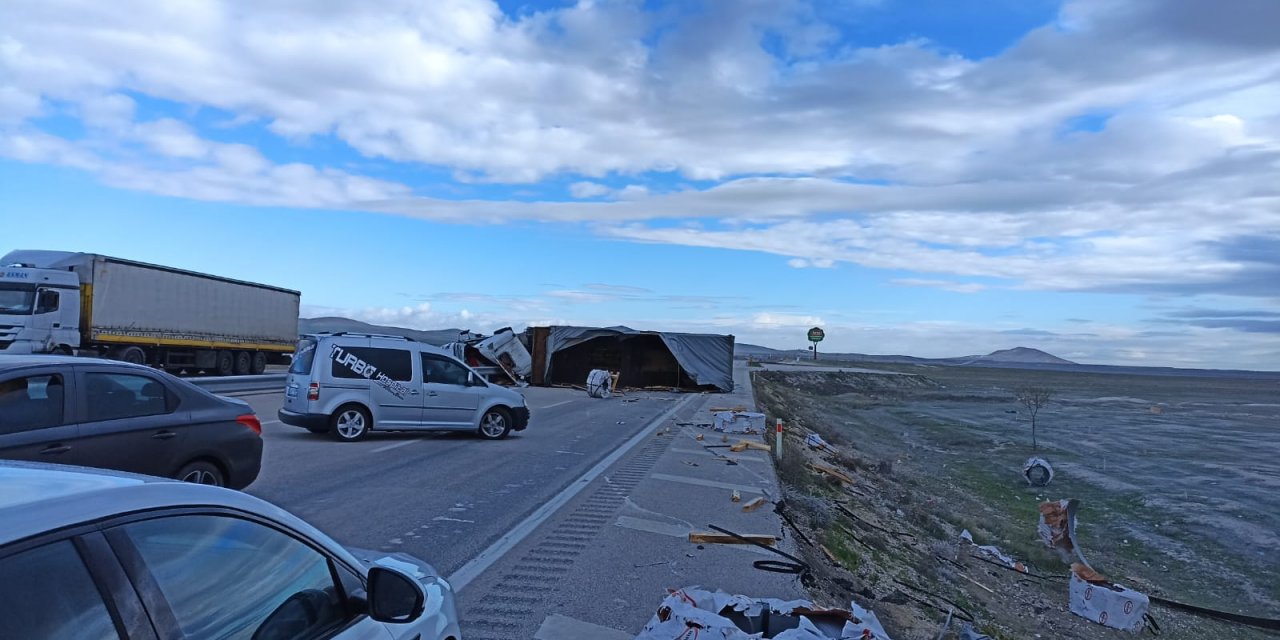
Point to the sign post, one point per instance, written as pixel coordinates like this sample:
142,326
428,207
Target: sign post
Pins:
816,335
779,439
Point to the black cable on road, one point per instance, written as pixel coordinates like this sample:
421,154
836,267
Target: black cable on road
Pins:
796,566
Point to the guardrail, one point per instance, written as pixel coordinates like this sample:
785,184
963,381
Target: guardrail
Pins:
241,384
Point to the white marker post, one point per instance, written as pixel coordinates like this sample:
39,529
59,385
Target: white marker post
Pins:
779,440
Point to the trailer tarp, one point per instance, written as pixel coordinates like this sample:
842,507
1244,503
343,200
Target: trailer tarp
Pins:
706,358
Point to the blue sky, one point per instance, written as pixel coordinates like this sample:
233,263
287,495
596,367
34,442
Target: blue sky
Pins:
936,178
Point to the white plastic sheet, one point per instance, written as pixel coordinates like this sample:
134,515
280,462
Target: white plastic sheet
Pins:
695,612
739,422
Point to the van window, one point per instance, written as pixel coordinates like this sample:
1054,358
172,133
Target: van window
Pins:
442,370
368,362
303,355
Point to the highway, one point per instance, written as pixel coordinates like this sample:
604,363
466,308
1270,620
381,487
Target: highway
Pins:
439,496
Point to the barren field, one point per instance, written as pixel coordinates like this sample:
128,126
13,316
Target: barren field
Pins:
1179,480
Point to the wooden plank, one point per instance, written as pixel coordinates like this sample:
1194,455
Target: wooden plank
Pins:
753,505
739,448
711,537
833,472
747,444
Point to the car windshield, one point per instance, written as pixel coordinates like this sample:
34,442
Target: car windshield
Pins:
17,299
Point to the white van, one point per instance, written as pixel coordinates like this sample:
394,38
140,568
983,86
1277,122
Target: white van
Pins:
348,384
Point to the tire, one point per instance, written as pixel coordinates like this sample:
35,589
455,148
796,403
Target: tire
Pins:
226,364
201,472
350,423
495,424
243,362
259,363
132,355
63,350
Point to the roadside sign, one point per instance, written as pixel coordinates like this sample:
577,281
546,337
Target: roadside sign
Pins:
816,334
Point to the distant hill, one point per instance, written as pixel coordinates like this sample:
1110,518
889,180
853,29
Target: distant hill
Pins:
335,324
1019,355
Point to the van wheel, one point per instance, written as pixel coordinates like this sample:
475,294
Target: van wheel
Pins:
349,424
243,362
259,363
201,472
226,363
495,424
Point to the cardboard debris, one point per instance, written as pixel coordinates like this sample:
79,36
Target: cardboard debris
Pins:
994,553
706,615
712,537
1057,529
739,422
753,504
1095,598
1037,471
832,471
599,384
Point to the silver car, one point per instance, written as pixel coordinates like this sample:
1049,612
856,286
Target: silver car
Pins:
348,384
90,553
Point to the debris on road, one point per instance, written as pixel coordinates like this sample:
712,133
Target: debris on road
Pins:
747,444
692,611
1037,471
753,504
711,537
739,422
736,497
599,384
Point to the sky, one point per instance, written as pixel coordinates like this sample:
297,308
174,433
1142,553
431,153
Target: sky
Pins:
1099,179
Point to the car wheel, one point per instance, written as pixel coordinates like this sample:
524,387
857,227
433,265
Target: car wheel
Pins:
495,424
350,423
243,362
226,363
259,363
201,472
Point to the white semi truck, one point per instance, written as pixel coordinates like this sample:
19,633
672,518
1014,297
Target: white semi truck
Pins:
95,305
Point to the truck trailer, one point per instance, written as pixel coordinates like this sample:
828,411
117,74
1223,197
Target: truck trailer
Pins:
93,305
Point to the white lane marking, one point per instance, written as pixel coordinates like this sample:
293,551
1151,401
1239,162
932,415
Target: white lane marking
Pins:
269,422
558,627
393,446
706,483
576,453
448,519
485,559
558,404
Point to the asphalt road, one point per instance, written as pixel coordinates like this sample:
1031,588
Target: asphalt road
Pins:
441,497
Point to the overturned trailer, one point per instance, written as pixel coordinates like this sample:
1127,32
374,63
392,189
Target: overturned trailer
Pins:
687,361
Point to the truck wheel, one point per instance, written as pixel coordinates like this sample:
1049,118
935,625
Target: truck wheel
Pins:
226,364
259,363
495,424
132,355
243,362
349,423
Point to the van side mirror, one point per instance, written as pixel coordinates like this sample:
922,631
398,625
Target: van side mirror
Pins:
394,597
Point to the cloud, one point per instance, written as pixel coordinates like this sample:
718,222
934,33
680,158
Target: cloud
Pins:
805,263
588,189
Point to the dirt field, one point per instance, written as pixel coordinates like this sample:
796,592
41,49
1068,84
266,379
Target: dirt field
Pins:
1179,480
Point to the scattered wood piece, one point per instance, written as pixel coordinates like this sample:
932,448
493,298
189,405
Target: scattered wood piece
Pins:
747,444
736,497
989,589
830,556
698,437
711,537
754,504
739,448
833,472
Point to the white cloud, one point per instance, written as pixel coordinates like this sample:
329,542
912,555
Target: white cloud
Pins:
588,189
805,263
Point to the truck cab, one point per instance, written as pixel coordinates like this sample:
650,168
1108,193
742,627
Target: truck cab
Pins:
39,309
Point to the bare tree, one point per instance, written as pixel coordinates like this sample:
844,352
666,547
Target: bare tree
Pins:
1034,399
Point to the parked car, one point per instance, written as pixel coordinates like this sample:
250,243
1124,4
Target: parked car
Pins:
348,384
87,553
114,415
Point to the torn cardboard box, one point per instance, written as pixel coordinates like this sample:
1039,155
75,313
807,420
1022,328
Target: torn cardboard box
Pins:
738,422
706,615
1057,529
1095,598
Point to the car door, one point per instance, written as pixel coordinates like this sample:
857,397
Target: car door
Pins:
450,401
220,576
130,420
35,418
389,374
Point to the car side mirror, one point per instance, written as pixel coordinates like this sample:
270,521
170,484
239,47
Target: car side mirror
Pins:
471,379
394,597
